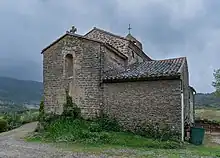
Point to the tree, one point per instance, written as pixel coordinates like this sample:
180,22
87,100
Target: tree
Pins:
216,83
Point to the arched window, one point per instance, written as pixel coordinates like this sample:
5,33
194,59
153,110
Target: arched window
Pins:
132,54
69,65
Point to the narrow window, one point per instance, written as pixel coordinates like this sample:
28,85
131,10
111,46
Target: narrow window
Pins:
132,54
69,65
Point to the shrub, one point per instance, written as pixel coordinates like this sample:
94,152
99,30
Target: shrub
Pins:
70,109
29,116
3,125
95,127
13,119
105,123
159,131
41,110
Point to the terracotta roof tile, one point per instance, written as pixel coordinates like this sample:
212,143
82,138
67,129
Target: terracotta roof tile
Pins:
148,69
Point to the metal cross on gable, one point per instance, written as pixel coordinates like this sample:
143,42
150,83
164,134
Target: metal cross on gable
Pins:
73,29
129,28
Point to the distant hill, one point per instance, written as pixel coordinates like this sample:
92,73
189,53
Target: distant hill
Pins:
14,91
207,100
21,92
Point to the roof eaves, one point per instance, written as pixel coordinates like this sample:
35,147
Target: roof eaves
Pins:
136,78
193,89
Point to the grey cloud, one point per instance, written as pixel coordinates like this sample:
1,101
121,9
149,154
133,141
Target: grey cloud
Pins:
178,28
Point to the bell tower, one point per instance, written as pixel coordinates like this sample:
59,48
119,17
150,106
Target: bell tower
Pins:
132,39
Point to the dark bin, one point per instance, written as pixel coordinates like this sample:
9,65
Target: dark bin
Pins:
197,135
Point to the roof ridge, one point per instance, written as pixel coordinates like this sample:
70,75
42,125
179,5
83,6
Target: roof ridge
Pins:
107,32
170,59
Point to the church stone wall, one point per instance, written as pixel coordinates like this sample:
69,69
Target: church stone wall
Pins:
135,102
113,61
54,94
84,85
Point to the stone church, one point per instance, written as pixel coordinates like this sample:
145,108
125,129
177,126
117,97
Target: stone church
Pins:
112,73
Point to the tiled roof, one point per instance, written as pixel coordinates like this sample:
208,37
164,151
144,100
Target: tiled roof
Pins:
169,68
80,36
117,36
106,32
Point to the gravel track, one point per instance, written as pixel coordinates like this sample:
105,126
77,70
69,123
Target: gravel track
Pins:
12,146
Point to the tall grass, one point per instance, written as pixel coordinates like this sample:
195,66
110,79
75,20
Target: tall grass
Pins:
66,129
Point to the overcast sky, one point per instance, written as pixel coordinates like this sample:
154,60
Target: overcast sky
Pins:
167,28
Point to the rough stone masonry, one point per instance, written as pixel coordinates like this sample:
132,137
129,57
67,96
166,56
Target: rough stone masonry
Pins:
104,71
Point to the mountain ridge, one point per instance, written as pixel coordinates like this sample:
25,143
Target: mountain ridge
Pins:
29,92
17,91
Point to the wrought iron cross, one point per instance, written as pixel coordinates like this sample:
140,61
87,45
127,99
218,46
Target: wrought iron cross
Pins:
73,29
129,28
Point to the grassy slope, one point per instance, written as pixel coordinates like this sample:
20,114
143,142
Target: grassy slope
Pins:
208,113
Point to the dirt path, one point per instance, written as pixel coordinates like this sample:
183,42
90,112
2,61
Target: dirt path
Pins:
12,146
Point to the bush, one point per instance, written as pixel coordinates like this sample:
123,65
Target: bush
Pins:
16,119
95,127
70,109
13,120
3,125
157,131
41,110
104,123
28,117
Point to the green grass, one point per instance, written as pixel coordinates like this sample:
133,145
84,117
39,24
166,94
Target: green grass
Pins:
210,114
83,132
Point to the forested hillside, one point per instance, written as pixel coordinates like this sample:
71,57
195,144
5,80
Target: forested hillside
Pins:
20,91
207,100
